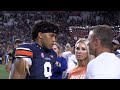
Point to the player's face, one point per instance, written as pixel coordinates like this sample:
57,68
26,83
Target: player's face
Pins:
81,51
55,48
48,40
91,43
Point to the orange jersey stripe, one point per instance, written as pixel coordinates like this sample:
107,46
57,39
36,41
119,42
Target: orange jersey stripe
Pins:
24,52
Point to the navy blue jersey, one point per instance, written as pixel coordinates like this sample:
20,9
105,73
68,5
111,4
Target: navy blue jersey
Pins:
58,71
42,60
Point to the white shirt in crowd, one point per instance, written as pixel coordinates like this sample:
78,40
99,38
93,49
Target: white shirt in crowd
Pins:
66,54
71,62
104,66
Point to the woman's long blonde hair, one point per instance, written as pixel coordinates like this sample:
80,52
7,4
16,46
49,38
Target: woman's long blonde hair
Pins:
83,40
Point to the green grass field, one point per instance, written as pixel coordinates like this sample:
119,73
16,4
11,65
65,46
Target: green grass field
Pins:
3,73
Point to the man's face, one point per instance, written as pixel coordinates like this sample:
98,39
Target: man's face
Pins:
91,43
48,40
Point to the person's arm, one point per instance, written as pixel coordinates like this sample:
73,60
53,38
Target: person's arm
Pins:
3,59
20,69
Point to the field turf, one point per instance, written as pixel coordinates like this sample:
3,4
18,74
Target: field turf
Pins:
3,73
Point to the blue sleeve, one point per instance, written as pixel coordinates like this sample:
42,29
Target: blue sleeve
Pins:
55,67
63,64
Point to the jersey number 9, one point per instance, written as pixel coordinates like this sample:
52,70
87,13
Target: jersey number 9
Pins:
47,69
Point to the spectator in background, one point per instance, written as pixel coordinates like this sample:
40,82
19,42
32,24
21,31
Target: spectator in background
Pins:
1,54
71,59
10,64
115,46
105,65
118,50
7,50
61,63
11,26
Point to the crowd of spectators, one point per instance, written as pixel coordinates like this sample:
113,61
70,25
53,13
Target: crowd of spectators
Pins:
72,24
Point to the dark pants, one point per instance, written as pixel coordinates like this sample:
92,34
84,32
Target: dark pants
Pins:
0,61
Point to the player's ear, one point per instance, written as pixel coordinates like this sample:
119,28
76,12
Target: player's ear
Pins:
40,35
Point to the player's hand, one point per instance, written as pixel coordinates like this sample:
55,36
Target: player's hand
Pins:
28,63
27,66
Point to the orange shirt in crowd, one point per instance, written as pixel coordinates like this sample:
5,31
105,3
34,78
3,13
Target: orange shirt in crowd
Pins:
77,73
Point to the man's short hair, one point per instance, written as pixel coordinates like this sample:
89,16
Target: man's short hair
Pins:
104,33
44,27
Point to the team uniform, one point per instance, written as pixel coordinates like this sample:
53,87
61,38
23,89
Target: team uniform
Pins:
58,71
41,59
77,73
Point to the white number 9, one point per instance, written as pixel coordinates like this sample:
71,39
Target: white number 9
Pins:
47,69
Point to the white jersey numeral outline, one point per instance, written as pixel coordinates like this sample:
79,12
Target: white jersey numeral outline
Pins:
47,69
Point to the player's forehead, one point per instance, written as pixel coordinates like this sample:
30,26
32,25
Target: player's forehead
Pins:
80,44
53,34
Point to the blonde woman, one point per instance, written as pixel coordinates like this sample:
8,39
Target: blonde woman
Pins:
83,57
